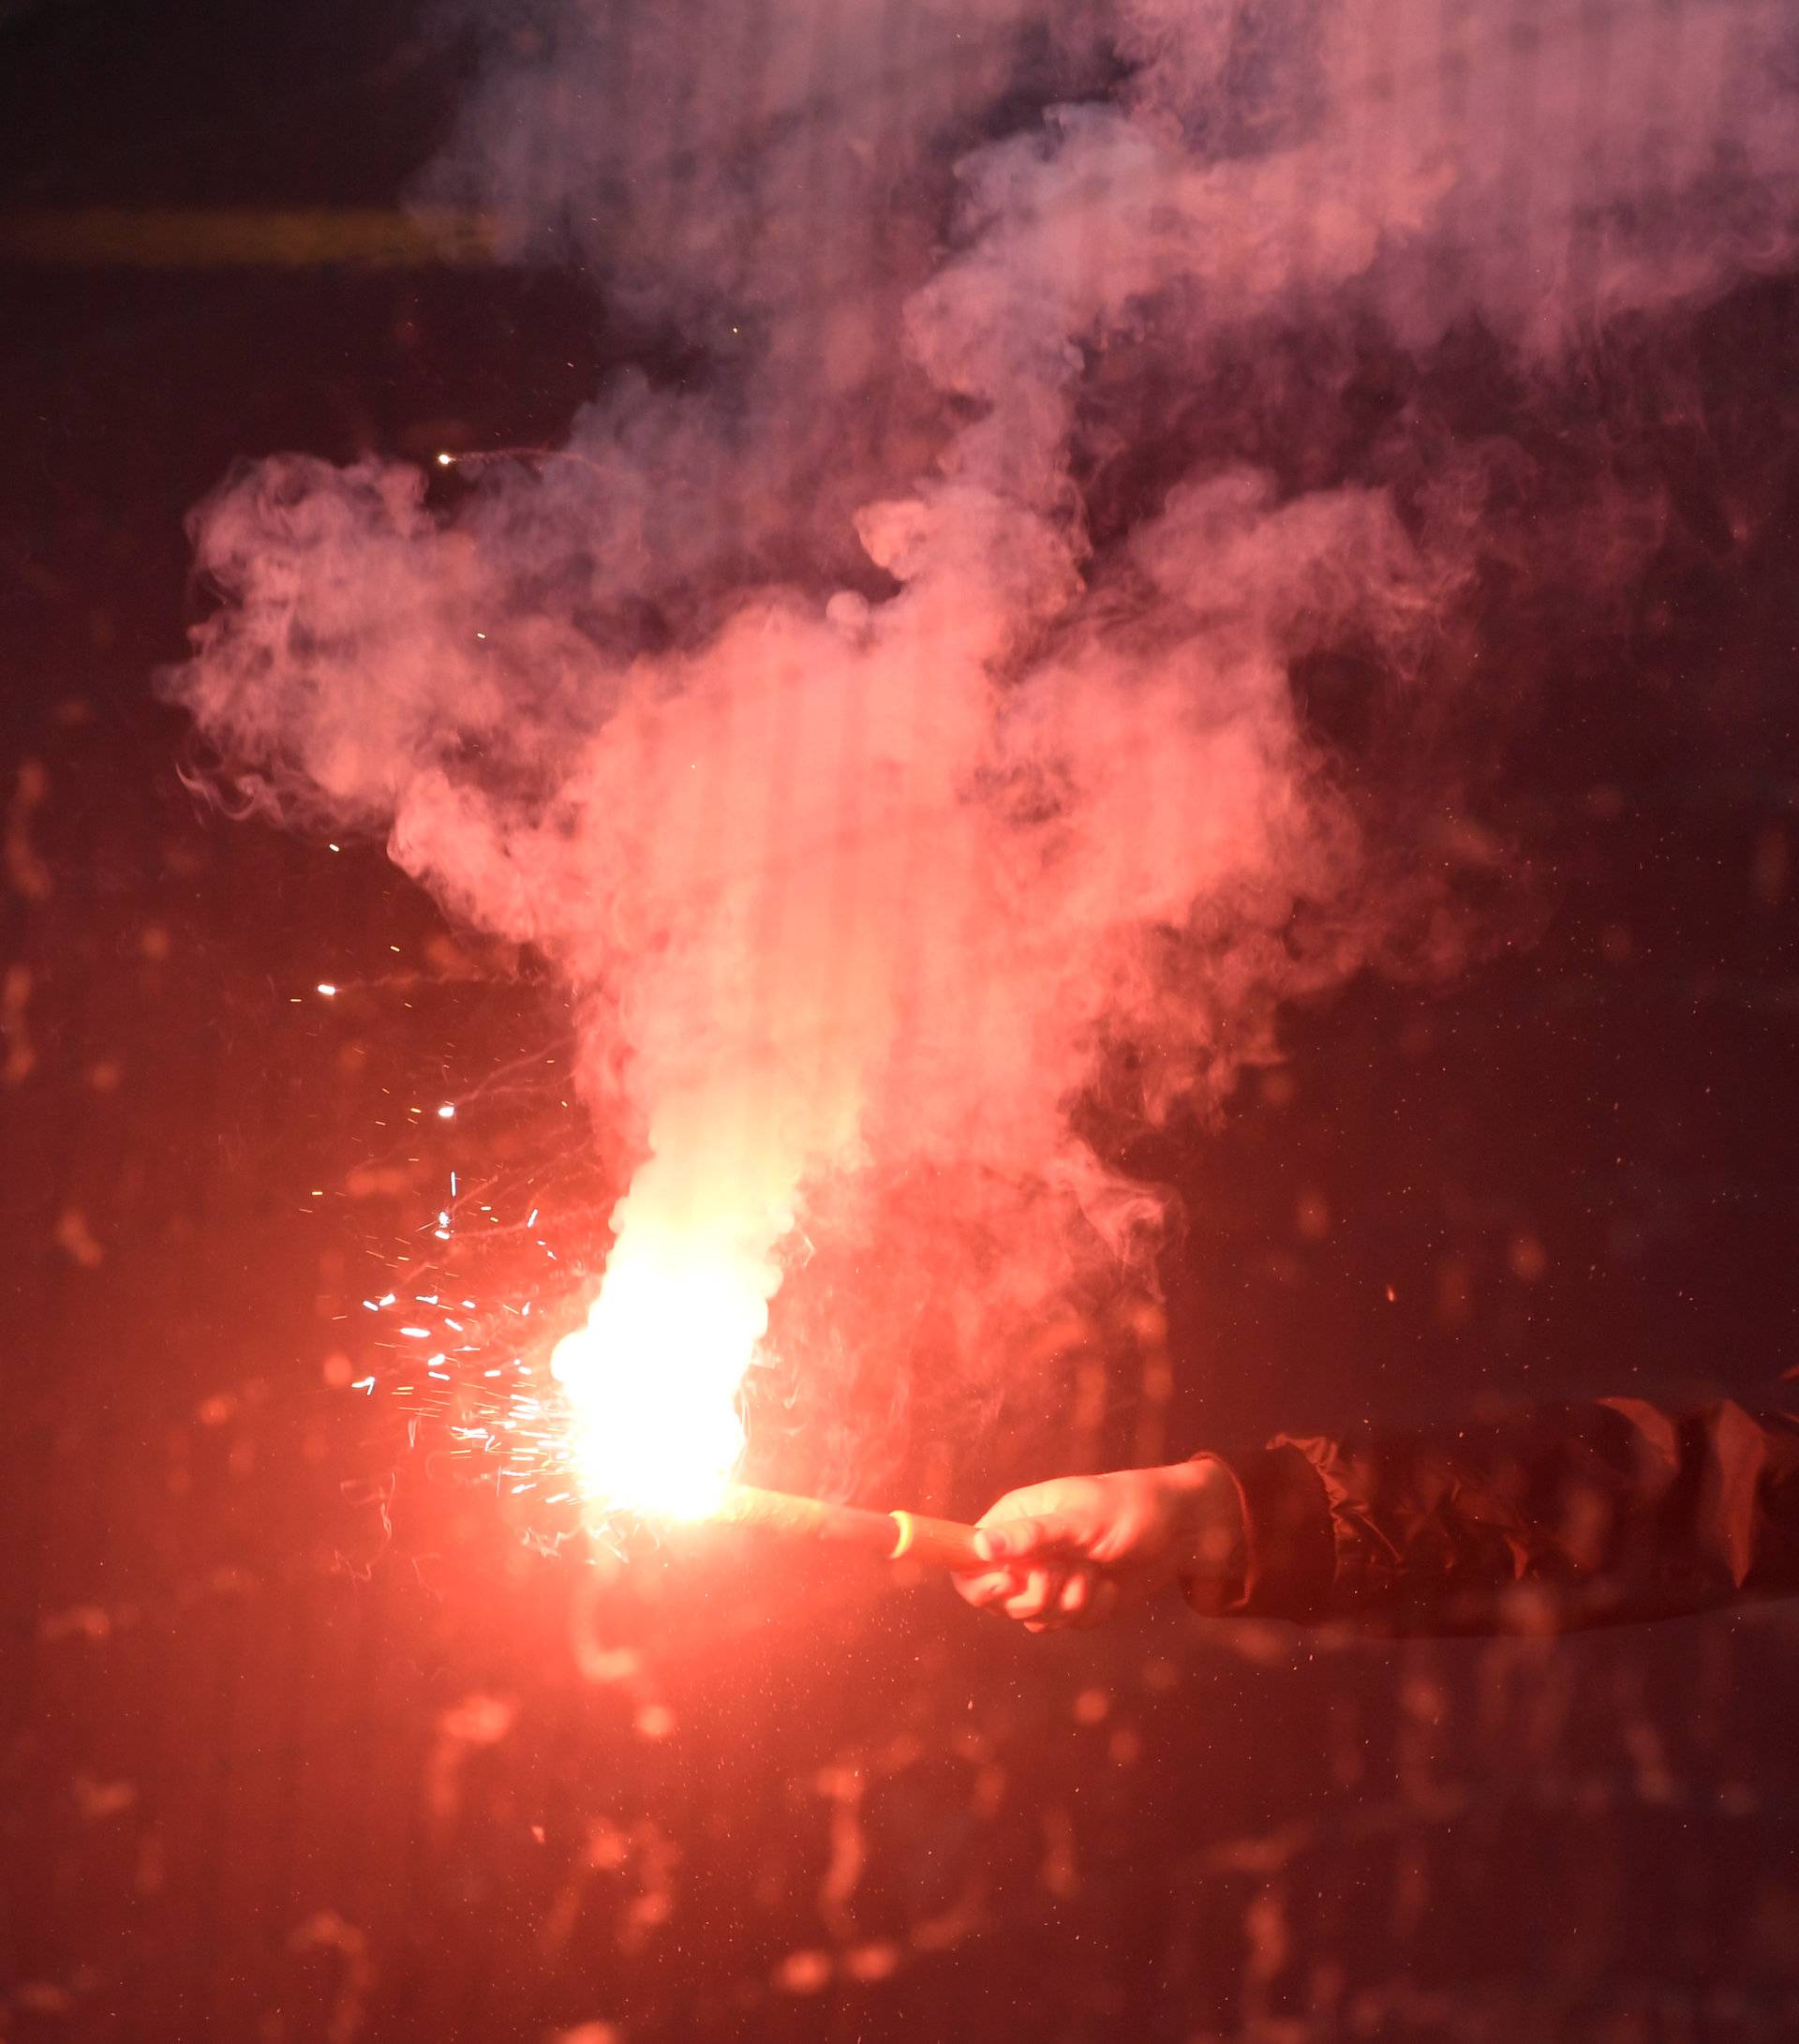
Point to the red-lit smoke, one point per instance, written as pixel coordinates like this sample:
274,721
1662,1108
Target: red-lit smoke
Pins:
890,720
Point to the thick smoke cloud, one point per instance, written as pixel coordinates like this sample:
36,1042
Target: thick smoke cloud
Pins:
887,725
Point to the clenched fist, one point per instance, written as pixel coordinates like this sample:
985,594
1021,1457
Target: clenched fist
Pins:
1077,1549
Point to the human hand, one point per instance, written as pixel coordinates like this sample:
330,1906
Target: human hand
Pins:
1077,1549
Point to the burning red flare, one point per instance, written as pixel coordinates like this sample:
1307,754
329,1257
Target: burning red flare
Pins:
652,1380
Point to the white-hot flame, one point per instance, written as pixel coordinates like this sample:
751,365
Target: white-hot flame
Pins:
652,1380
746,1102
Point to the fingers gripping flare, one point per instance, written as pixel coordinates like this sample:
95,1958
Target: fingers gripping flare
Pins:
1074,1551
1048,1580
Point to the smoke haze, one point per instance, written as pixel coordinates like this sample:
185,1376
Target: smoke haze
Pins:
882,711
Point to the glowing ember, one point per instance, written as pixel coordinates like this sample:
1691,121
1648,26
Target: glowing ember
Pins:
652,1380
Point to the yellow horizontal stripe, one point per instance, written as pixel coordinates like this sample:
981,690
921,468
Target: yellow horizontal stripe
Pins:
163,238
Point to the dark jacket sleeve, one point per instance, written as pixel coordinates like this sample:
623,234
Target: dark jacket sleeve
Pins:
1570,1515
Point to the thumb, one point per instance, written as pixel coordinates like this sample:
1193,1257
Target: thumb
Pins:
1046,1533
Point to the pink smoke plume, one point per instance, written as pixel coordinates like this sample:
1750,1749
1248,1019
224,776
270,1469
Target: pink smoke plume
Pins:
887,732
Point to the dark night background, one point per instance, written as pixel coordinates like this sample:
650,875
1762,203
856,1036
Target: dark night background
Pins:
274,1769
